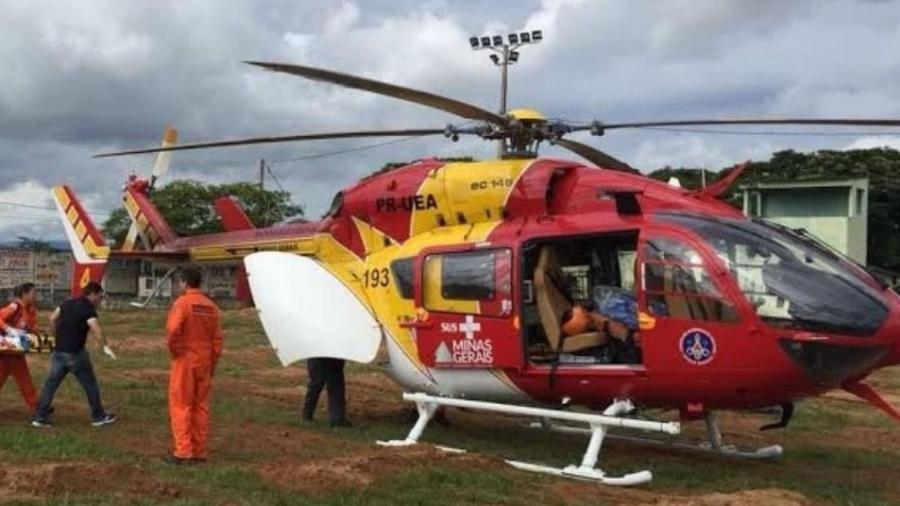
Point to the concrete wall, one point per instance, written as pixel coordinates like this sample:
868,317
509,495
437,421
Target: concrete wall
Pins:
835,212
834,231
804,203
49,271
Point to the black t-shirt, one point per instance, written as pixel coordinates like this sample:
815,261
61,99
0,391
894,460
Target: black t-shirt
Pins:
72,327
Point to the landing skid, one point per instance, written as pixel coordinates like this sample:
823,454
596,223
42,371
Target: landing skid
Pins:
427,405
714,444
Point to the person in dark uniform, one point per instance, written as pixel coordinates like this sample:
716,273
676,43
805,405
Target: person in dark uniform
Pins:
326,373
72,320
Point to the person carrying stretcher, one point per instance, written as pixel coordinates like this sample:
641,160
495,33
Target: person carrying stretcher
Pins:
17,320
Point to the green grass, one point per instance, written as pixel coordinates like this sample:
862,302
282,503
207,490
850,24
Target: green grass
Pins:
816,464
23,443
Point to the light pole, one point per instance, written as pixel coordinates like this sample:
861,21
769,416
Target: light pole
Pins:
505,54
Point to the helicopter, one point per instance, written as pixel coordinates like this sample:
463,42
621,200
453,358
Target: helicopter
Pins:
470,274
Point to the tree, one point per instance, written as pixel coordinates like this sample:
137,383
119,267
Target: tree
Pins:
188,207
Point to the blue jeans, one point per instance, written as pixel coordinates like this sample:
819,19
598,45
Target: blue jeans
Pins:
79,364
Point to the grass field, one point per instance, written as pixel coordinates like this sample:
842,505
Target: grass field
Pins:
837,451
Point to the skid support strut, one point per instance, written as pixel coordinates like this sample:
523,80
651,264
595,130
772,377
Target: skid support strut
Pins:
597,426
715,443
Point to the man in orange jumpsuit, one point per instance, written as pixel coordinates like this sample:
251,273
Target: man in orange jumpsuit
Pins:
195,345
19,316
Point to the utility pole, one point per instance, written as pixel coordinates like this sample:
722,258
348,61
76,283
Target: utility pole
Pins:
262,173
505,54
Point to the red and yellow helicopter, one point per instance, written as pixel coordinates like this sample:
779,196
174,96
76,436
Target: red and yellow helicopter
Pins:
471,275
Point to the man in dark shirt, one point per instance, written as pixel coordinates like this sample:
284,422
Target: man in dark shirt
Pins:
72,321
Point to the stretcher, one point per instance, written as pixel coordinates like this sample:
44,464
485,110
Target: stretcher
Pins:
36,343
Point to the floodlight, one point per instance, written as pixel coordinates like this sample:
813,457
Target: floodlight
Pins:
474,42
513,56
513,38
498,40
485,42
537,36
495,59
525,37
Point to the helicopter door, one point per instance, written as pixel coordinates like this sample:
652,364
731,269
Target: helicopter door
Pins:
692,315
466,309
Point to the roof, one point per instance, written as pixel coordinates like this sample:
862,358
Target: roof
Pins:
862,183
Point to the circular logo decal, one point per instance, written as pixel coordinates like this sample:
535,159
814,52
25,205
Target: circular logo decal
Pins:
697,346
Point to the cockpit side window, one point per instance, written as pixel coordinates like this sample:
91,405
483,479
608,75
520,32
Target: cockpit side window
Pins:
790,282
677,283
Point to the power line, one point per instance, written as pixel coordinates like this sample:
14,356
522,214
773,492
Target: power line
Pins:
344,151
28,206
28,218
274,178
40,208
769,132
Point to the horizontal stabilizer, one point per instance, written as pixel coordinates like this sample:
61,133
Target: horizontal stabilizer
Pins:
158,256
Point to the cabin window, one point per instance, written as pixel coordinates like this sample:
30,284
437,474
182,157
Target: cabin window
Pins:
403,276
678,284
471,282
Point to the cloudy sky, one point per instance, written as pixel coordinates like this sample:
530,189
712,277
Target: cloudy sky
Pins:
85,76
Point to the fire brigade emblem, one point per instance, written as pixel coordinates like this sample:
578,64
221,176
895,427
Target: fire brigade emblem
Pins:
697,346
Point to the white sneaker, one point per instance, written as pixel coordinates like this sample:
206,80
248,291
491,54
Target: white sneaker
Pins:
106,420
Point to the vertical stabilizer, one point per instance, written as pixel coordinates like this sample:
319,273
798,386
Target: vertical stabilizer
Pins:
88,246
153,229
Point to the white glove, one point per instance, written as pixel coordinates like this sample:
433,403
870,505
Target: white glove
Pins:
109,352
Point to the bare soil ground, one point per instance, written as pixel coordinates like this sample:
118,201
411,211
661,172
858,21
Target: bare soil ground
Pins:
839,451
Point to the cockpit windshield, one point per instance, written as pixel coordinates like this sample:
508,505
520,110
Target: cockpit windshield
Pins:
792,282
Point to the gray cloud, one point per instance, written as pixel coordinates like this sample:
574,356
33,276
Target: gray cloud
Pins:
82,77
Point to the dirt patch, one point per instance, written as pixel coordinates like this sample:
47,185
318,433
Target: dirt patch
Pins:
260,356
137,343
118,480
869,438
768,497
157,376
364,468
567,491
296,373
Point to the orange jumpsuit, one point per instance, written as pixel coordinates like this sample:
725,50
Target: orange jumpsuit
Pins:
20,316
195,344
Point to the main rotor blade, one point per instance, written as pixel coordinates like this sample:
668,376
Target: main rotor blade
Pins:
758,121
425,98
413,132
164,159
596,156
